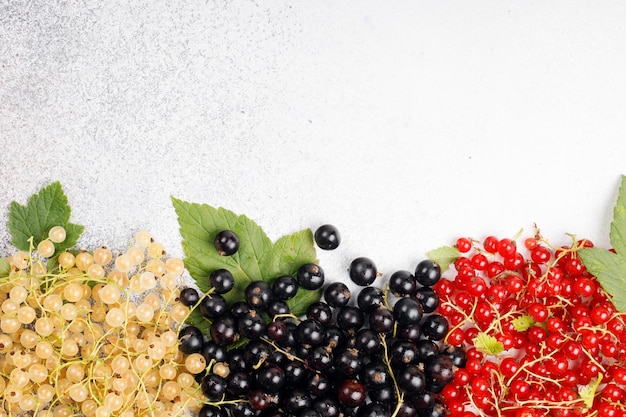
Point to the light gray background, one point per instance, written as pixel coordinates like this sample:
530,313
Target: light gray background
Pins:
404,123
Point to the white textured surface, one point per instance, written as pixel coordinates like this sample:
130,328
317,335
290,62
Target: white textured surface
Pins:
404,123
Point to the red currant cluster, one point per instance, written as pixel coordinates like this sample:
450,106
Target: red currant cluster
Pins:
542,337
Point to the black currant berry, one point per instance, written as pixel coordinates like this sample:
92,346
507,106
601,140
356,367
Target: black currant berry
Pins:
213,386
310,276
351,393
375,409
411,379
327,237
337,294
284,287
367,341
238,383
369,299
404,352
296,401
189,296
258,295
350,318
440,369
278,307
213,306
309,333
222,281
435,327
363,271
327,407
407,311
320,312
376,376
270,378
191,340
212,411
224,331
226,242
402,283
382,321
428,273
319,384
457,354
348,362
252,325
212,351
428,298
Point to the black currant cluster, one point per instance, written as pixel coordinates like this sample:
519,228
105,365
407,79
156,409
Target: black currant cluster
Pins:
377,353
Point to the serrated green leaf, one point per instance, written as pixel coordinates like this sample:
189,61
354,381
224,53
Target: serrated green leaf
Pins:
303,299
291,251
444,256
588,393
5,268
488,344
610,270
617,234
200,223
256,259
48,208
523,323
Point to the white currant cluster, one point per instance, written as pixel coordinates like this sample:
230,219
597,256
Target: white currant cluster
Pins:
93,334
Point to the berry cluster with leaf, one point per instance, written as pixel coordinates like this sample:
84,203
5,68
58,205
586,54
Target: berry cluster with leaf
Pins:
247,327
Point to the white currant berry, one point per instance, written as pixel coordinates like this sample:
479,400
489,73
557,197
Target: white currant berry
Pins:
46,248
143,238
57,234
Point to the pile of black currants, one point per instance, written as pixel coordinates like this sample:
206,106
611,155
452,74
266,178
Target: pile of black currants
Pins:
376,353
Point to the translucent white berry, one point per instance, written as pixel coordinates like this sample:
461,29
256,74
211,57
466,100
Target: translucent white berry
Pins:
57,234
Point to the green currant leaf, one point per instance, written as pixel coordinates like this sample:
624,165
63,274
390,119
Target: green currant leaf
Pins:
44,210
197,319
5,269
588,393
523,323
609,268
488,344
617,233
256,259
444,256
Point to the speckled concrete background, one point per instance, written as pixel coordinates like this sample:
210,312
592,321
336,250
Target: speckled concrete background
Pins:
405,123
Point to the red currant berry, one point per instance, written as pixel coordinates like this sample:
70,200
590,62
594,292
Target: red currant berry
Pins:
463,244
538,312
530,243
490,244
540,255
507,248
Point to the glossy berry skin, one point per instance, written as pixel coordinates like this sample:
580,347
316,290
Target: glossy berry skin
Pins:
222,281
310,276
435,327
189,296
407,311
411,379
224,331
327,237
351,393
402,283
370,299
428,273
213,386
284,287
363,271
258,295
337,294
226,243
191,340
213,306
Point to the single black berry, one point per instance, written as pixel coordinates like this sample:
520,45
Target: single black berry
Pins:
189,296
191,340
363,271
310,276
428,273
337,294
327,237
402,283
258,295
284,287
407,311
226,242
222,281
